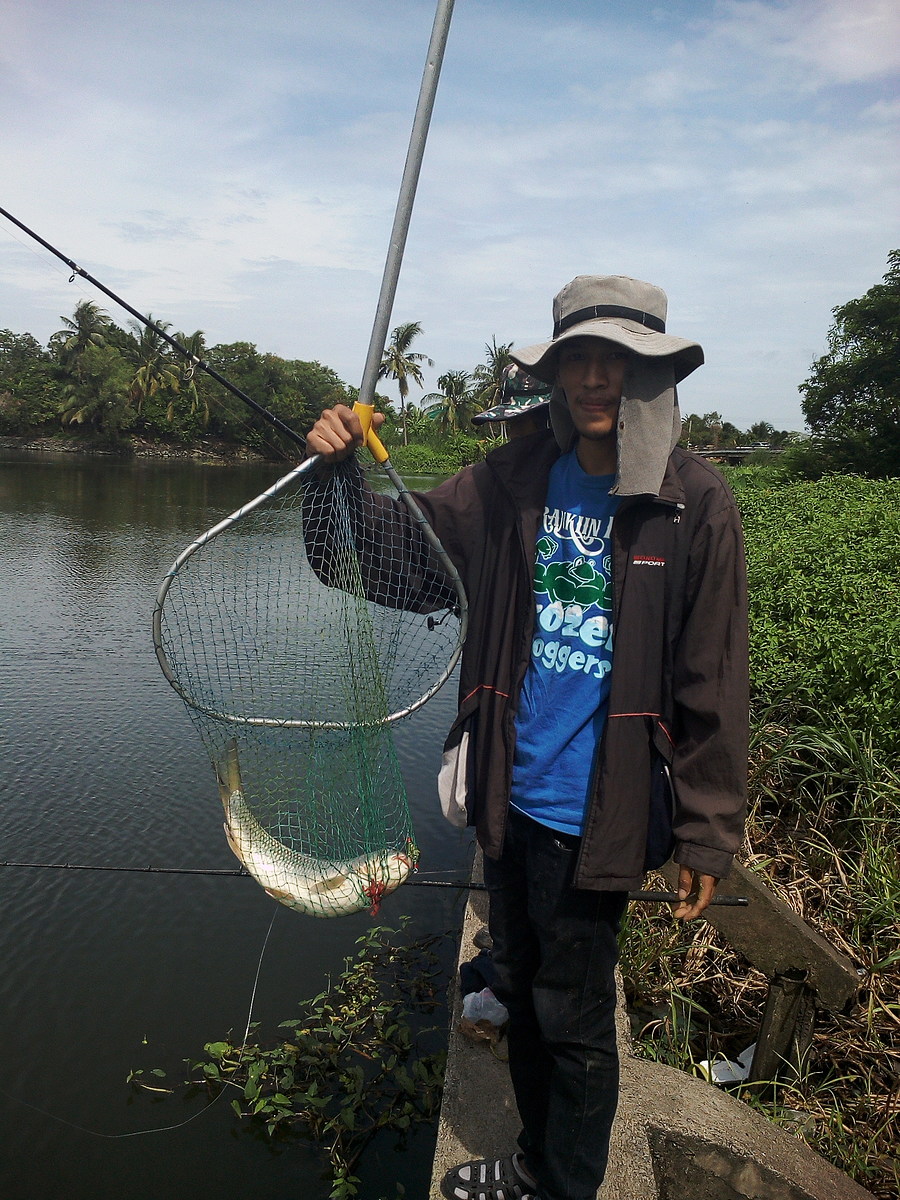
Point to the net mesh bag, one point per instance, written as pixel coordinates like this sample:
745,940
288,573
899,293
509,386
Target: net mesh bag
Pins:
296,631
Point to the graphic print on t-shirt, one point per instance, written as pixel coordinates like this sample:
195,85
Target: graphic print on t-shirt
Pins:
573,596
562,707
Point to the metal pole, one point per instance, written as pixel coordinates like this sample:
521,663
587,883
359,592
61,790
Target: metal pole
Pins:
405,199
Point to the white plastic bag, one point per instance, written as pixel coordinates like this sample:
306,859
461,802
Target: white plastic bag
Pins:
484,1006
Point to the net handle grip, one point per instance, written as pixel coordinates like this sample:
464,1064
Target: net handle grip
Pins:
374,444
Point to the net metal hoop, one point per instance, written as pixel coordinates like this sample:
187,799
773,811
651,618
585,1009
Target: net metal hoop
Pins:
226,523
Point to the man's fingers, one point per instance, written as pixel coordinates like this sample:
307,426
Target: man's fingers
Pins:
696,891
336,434
686,880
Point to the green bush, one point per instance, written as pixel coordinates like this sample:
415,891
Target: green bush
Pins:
824,580
422,460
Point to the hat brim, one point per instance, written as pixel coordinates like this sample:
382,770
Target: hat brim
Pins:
540,360
509,412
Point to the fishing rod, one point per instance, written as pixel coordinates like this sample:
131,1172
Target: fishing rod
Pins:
364,406
640,897
160,332
390,277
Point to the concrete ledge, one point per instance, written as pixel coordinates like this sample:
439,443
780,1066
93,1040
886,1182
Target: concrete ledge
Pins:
776,940
674,1136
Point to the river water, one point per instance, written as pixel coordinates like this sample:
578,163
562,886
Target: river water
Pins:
100,765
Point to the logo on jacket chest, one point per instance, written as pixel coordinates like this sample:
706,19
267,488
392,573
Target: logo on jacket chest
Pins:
647,560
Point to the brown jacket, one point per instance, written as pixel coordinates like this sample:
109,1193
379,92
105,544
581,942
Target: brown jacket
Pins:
670,772
679,701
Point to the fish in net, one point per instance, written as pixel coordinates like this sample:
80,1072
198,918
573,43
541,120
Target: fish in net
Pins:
297,631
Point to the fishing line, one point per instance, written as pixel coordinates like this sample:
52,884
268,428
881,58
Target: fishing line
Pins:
160,332
161,1128
642,897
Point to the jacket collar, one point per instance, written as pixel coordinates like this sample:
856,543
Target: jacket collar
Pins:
523,465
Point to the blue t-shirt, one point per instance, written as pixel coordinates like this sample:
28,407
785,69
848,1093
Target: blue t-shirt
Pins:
565,694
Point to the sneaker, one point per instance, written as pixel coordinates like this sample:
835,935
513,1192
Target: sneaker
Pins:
486,1179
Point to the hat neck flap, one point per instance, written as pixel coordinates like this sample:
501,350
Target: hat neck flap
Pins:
649,426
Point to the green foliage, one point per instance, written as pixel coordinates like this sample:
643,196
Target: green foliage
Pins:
709,431
825,801
351,1065
488,376
824,581
822,832
827,787
96,394
156,372
456,451
851,400
27,384
88,326
417,459
452,407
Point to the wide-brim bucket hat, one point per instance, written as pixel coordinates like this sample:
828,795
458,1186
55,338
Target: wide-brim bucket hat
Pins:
626,311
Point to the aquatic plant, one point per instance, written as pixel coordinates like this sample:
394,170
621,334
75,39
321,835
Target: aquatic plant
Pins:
357,1060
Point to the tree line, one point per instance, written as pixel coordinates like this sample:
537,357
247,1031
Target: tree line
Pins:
112,385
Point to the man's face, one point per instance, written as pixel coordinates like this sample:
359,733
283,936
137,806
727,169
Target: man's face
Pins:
591,372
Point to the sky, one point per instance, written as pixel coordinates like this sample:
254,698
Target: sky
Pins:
235,168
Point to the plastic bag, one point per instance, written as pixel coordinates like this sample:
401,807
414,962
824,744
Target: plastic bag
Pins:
483,1017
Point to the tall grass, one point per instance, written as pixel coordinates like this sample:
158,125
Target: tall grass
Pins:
824,566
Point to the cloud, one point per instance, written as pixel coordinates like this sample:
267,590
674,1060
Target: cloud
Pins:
240,173
840,42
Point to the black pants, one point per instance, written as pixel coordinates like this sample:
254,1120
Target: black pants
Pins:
555,950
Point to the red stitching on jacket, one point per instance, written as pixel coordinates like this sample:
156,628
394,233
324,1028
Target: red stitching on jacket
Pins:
666,732
647,714
486,687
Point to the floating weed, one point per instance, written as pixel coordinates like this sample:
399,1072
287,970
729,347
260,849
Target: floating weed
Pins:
357,1060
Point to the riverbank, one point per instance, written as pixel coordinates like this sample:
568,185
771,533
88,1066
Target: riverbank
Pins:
212,451
414,461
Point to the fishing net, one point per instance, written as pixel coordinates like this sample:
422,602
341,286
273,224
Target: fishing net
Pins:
296,631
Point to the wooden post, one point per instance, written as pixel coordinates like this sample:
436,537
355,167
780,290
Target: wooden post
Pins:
805,971
786,1031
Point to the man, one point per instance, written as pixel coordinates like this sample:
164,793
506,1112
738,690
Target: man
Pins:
603,701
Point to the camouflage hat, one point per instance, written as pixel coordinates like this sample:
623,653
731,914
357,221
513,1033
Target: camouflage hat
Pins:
520,393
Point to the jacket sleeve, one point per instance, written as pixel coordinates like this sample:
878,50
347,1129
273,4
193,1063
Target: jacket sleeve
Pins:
711,694
356,537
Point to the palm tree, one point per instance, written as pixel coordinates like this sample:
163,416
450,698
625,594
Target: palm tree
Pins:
195,344
489,374
402,364
451,406
153,365
98,395
87,327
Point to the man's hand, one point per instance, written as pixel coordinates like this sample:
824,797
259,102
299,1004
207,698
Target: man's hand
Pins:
338,432
695,892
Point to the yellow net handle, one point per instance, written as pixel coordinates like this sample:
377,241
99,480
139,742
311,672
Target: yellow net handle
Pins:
376,449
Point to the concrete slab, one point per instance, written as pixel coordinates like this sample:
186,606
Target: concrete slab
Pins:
675,1137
